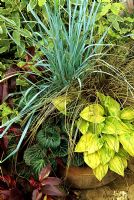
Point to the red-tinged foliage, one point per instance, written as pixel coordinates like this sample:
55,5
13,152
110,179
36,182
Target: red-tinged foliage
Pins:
34,183
44,173
46,185
8,189
4,141
51,181
11,194
30,53
52,190
9,180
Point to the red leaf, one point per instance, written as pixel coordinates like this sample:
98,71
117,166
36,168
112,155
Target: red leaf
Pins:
1,93
13,194
9,181
51,181
30,54
36,195
4,143
44,173
34,183
52,190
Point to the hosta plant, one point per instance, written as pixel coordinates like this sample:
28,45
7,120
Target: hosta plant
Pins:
107,136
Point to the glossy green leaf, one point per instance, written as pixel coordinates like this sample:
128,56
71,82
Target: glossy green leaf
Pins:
117,7
127,114
16,37
104,10
25,33
116,25
100,171
92,160
105,154
117,165
127,141
93,113
112,142
83,125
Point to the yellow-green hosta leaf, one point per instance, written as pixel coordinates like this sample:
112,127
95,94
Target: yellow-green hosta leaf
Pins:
96,128
89,142
117,165
92,160
83,143
127,114
115,126
109,127
93,113
41,2
105,154
127,141
112,106
83,125
112,142
100,171
61,103
123,153
94,144
101,97
124,160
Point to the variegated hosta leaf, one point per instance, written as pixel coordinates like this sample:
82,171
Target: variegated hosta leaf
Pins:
115,126
101,97
109,127
105,154
83,143
112,106
117,165
89,142
92,160
127,114
82,125
94,144
112,142
100,171
127,141
61,103
124,160
93,113
96,128
123,153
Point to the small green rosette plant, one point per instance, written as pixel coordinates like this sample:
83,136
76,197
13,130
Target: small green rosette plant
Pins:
107,138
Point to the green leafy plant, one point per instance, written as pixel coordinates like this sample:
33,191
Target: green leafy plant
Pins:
50,145
68,58
119,25
108,136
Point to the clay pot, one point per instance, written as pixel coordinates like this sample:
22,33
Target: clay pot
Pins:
131,164
83,178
